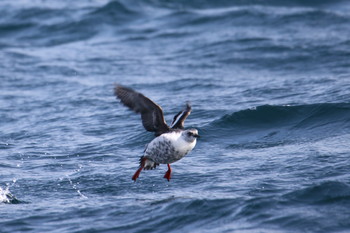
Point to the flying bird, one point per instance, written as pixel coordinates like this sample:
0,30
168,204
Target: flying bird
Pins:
172,142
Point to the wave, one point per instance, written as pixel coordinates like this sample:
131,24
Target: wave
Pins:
62,25
274,125
115,12
267,115
288,210
66,24
324,193
200,4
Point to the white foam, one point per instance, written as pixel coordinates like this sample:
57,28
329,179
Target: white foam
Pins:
5,195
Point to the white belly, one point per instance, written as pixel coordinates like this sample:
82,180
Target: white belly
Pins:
168,148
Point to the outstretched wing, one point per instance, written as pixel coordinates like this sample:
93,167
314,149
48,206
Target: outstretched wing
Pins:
151,113
179,119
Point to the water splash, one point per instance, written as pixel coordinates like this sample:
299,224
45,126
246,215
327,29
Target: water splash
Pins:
7,197
75,185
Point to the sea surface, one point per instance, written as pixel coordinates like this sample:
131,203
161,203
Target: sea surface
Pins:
269,83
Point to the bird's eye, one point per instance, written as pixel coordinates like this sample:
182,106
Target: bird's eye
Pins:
189,133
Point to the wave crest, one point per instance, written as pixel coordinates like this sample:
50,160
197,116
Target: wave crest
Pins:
275,125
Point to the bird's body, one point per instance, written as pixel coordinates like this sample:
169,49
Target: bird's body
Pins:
171,144
168,148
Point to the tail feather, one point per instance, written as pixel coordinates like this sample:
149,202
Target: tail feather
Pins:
148,163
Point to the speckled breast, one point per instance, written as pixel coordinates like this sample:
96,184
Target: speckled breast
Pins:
163,152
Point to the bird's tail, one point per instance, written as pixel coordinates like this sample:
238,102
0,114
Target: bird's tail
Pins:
147,163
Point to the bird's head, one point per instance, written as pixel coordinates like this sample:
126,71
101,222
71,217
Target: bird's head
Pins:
190,135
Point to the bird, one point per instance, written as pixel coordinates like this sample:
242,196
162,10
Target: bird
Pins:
171,143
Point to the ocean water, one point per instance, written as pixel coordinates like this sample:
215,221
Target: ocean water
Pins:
269,83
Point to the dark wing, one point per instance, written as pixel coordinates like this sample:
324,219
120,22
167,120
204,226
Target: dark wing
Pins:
151,113
179,119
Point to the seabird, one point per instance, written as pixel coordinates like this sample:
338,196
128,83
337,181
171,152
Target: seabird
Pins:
171,143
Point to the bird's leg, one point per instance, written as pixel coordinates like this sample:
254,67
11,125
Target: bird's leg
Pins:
137,173
168,173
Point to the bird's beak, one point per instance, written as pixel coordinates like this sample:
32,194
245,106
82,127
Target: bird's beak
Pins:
196,136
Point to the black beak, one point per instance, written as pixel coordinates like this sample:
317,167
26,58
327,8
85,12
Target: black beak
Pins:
196,136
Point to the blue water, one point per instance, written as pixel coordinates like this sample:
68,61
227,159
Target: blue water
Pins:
269,83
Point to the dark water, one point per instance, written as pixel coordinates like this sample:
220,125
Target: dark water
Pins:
269,82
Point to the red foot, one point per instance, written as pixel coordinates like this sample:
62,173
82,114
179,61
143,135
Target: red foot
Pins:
168,173
137,173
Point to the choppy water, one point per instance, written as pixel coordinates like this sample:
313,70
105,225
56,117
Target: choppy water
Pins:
269,84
